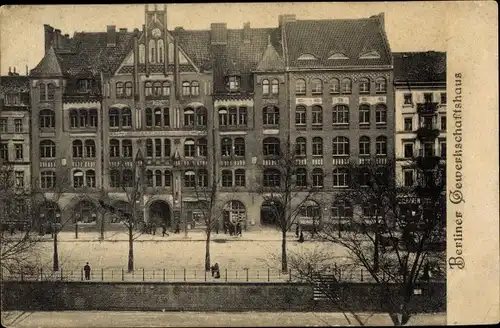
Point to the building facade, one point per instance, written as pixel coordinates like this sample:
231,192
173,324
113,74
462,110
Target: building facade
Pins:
189,105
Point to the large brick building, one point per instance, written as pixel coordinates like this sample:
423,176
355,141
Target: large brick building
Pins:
192,103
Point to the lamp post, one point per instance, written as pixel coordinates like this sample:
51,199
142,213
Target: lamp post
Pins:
55,263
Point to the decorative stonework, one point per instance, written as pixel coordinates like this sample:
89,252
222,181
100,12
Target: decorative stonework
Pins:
353,76
340,100
372,100
259,78
237,103
309,101
71,105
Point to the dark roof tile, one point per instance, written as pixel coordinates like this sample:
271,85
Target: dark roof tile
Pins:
13,84
427,66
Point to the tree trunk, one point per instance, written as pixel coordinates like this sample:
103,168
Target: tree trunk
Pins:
130,249
55,263
376,252
101,237
284,263
207,252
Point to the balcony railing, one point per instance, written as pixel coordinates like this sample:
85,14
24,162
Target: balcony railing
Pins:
427,107
233,162
427,133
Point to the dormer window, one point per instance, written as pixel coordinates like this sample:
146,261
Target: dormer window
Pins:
12,99
370,55
338,55
83,85
307,57
233,83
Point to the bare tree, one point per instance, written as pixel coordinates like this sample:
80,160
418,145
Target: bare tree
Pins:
282,185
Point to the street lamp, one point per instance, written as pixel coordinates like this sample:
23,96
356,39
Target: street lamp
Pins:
55,264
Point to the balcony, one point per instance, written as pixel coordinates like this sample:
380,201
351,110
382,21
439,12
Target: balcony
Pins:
427,108
427,133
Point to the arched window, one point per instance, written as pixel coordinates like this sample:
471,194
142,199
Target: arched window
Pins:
275,87
340,146
316,86
157,117
166,88
341,177
234,212
380,85
300,146
126,117
51,91
227,178
127,148
201,145
90,180
84,118
364,146
160,51
340,115
242,116
189,117
170,52
300,117
149,148
223,116
77,179
271,147
301,177
239,178
300,87
149,117
114,177
189,148
43,92
93,117
168,178
167,147
341,209
334,86
226,147
158,148
317,177
157,89
128,89
119,89
272,178
202,178
189,179
47,179
152,52
233,116
201,116
317,146
47,119
142,54
73,118
128,178
380,114
114,148
265,87
77,148
364,85
317,117
89,148
381,146
114,118
149,178
346,86
148,89
166,116
239,147
364,176
195,88
47,149
186,88
158,178
364,115
271,115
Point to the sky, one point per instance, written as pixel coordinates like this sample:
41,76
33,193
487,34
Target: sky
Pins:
410,26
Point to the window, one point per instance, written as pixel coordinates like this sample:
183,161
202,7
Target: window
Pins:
167,147
126,118
157,117
47,118
166,116
189,179
233,83
73,117
307,57
442,148
43,92
275,88
157,89
227,178
382,176
340,114
128,89
226,147
364,115
114,177
168,178
148,89
381,114
202,178
317,116
18,125
364,85
334,86
300,147
19,175
239,147
408,178
233,116
4,151
380,85
317,146
341,209
47,179
93,117
149,178
114,148
47,149
364,146
90,178
89,148
427,122
381,146
18,148
77,179
301,177
408,150
317,177
160,50
364,176
157,178
272,178
166,88
300,116
119,89
443,98
149,117
428,97
142,54
346,86
428,149
114,118
127,148
51,90
271,115
201,116
408,99
3,125
158,148
195,88
341,177
271,147
189,148
239,178
265,87
128,178
152,48
202,146
300,87
408,124
242,114
340,146
83,115
149,148
316,86
443,123
223,117
83,85
77,149
12,99
188,117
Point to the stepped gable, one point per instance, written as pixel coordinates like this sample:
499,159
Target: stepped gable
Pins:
427,66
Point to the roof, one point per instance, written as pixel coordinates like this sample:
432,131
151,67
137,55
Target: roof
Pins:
49,65
323,38
271,60
196,45
14,84
427,66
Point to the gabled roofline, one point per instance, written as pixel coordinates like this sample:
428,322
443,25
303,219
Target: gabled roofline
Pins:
340,68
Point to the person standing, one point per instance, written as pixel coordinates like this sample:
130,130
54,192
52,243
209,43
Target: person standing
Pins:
153,228
164,230
86,269
301,238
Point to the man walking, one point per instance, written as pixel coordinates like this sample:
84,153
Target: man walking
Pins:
86,269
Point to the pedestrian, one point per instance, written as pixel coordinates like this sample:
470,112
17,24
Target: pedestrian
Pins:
225,227
177,227
216,271
164,230
86,269
301,238
217,228
297,231
153,228
239,229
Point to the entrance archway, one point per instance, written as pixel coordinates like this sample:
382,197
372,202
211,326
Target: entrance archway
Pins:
309,216
234,213
121,208
84,212
49,213
270,212
160,213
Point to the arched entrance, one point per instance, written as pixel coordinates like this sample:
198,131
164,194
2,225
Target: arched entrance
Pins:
309,216
160,213
121,208
84,212
49,212
234,213
270,212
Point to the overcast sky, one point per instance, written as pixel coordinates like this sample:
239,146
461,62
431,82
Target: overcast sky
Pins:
410,26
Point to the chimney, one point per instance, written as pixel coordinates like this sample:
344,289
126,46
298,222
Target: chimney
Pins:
27,72
10,71
48,35
246,32
218,33
136,31
179,29
57,39
123,30
15,74
111,36
286,19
